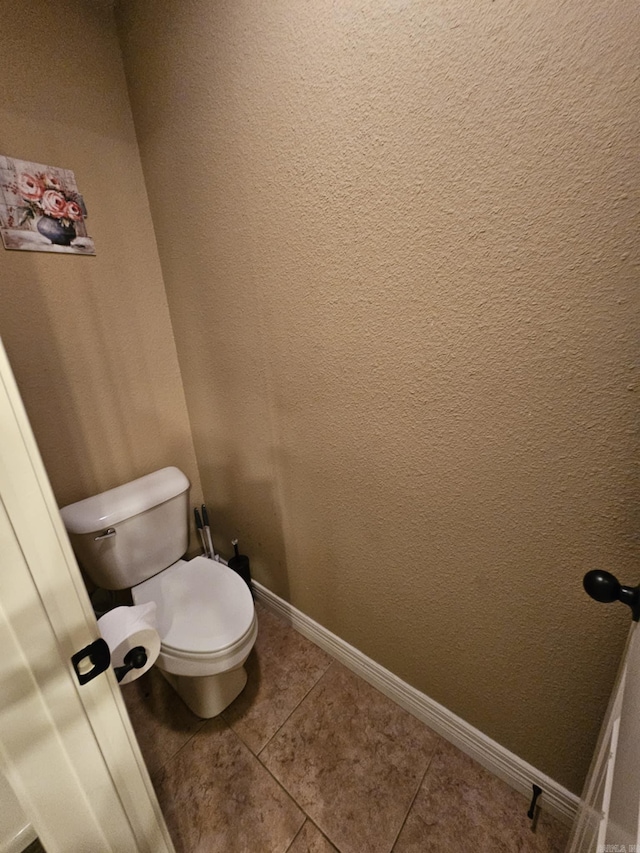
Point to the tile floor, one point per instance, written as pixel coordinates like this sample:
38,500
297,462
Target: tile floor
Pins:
312,759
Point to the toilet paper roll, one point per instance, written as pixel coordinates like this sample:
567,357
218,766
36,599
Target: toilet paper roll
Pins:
124,628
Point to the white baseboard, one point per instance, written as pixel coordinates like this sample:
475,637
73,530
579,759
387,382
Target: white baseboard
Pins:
506,765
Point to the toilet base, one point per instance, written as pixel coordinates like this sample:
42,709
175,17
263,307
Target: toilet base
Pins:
208,695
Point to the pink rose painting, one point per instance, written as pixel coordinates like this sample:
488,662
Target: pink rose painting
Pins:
41,209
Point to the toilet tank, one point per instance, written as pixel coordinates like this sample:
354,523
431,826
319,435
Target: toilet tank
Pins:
126,535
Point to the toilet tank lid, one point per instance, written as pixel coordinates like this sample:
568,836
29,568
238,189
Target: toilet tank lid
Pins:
109,508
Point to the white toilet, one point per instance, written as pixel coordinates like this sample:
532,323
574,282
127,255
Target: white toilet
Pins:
134,536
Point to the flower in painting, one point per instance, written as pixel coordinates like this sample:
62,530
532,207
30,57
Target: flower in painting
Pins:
73,211
52,183
44,194
53,204
30,188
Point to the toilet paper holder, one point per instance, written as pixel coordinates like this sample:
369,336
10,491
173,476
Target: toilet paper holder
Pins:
135,658
96,657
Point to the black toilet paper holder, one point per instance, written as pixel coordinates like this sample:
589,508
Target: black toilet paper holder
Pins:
96,658
135,658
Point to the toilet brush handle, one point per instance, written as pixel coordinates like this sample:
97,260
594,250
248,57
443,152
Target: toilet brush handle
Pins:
200,527
207,532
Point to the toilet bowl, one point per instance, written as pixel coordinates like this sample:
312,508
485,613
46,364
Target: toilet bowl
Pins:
207,626
135,537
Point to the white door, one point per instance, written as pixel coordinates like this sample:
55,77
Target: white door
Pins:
68,751
609,816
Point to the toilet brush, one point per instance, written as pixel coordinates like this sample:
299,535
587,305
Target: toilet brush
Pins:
201,531
240,564
207,532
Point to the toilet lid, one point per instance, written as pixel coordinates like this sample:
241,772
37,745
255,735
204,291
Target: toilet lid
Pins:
203,606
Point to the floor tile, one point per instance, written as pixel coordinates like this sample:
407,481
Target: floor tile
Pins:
311,840
217,797
365,772
461,806
353,760
282,668
161,720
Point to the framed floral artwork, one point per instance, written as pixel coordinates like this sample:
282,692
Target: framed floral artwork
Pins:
41,209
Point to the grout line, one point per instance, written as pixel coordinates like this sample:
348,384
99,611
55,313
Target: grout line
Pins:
415,796
180,748
317,828
316,682
308,817
282,787
275,779
293,840
293,710
494,757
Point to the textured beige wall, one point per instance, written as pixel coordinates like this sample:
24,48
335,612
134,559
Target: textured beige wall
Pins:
90,339
399,255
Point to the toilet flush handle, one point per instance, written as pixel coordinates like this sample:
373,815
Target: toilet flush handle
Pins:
106,535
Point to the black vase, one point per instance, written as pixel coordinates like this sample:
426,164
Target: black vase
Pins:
56,231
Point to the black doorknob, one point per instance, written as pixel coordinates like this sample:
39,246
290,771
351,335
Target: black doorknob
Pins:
603,586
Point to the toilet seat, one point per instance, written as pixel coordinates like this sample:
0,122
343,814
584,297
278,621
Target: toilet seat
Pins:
206,618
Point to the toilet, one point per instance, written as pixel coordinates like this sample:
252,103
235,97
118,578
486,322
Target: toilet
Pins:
135,537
